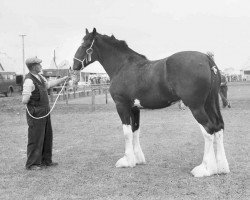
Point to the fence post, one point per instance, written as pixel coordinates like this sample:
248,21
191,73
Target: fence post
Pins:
63,94
93,99
67,95
74,90
106,95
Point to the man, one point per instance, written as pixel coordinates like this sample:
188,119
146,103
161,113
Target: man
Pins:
223,91
223,86
35,96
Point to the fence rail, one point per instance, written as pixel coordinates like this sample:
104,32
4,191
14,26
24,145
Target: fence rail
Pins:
73,92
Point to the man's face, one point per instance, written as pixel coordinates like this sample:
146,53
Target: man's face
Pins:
37,68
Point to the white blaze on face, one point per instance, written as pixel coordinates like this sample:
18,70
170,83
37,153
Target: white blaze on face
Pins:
137,103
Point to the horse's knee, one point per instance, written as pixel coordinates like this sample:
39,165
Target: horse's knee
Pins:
135,118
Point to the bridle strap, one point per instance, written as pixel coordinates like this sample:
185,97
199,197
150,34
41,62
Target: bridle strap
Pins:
81,61
91,44
89,51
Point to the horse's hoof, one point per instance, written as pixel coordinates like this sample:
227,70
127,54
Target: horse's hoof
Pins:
223,167
202,170
125,162
143,162
140,158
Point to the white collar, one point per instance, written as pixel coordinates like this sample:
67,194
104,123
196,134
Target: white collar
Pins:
37,76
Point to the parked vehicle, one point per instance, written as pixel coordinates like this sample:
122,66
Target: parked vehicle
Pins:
10,82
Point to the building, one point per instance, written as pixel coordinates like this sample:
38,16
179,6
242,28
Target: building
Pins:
245,74
57,73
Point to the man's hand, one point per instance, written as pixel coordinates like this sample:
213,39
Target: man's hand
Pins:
74,76
58,81
66,78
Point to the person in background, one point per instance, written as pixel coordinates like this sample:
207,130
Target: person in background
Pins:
223,87
35,97
223,91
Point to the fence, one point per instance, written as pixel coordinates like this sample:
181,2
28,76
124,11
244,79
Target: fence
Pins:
73,92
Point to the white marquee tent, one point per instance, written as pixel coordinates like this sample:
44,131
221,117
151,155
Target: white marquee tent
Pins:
94,67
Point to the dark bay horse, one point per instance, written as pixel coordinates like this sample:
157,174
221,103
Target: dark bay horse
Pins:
137,82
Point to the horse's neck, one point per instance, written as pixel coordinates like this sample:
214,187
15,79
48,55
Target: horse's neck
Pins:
111,63
113,60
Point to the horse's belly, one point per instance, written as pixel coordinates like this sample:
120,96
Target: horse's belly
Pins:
156,105
153,103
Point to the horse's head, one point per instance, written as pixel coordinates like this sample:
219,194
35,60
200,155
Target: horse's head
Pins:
85,54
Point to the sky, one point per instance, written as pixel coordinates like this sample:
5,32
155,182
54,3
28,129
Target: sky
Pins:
154,28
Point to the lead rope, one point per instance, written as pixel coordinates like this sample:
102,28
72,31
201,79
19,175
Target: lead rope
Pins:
52,106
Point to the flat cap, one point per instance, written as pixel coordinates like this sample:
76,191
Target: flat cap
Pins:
33,60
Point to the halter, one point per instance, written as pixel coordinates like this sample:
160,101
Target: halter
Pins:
89,51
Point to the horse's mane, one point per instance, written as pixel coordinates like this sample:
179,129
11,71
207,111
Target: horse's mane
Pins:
210,55
119,44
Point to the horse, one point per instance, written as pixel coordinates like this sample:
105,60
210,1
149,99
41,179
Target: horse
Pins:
138,83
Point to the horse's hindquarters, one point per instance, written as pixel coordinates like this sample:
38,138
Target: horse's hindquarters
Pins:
189,77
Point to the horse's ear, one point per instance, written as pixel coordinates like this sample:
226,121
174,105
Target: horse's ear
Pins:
87,31
94,31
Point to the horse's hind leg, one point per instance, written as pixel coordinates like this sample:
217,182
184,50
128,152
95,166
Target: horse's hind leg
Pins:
135,116
222,163
208,166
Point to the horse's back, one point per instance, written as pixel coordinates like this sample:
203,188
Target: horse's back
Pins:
191,62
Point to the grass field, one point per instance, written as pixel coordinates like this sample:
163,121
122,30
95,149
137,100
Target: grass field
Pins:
88,144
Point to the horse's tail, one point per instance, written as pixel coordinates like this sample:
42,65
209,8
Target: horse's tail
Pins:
212,106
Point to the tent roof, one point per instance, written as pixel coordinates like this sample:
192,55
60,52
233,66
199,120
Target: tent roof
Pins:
94,67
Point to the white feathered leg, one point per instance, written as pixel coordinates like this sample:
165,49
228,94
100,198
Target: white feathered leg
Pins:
208,166
222,163
139,156
128,160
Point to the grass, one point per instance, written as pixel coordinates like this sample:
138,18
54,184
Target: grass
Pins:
88,144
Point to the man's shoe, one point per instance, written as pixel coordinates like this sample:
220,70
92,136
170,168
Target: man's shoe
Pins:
52,164
35,167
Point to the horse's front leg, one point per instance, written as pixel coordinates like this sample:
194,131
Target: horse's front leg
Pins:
139,156
128,160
